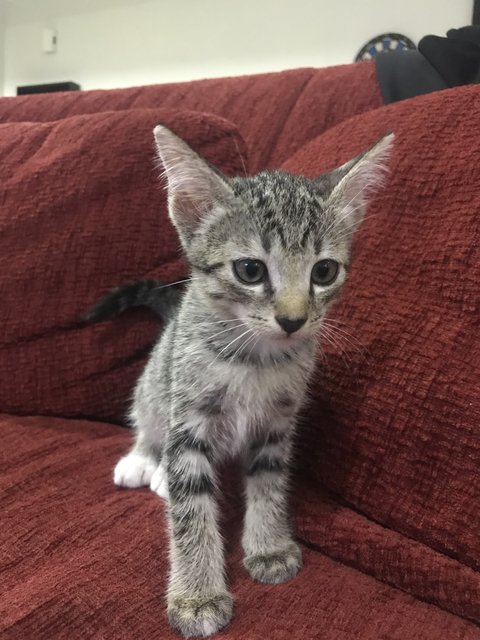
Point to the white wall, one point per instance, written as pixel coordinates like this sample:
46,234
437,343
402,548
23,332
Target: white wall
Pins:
2,41
117,43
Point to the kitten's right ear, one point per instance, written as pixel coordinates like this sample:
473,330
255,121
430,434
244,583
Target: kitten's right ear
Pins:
194,187
353,183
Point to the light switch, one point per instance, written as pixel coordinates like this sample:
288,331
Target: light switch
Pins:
49,41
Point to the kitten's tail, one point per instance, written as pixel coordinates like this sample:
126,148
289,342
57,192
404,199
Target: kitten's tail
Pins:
162,299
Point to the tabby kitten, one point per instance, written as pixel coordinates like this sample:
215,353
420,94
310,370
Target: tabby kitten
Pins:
268,255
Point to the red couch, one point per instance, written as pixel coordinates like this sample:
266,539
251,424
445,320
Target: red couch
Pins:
386,500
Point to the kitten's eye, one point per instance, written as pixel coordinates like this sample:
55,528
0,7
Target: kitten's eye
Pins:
250,271
324,272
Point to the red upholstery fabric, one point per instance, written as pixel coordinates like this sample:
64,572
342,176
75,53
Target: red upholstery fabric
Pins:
393,558
83,559
82,210
394,425
276,113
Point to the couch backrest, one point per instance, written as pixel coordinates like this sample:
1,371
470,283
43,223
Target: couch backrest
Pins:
276,113
82,210
394,421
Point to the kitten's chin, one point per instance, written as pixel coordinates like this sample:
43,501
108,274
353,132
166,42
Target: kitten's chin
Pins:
283,340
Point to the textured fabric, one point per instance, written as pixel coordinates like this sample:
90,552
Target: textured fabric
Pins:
82,210
389,556
82,559
394,425
275,112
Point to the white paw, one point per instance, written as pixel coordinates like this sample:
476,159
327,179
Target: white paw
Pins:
159,483
134,470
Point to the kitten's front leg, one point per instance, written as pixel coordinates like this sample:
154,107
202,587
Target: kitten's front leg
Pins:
271,554
198,601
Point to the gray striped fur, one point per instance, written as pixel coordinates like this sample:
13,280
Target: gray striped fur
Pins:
162,299
224,380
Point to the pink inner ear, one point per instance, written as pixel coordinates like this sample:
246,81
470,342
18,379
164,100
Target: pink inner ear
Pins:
192,192
365,176
190,181
193,186
188,208
186,176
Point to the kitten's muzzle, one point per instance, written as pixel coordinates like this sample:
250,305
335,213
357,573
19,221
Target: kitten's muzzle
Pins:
290,325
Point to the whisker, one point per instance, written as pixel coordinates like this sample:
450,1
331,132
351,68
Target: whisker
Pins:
331,338
228,346
207,324
333,334
171,284
332,331
219,333
235,340
321,354
352,342
351,339
196,346
346,362
244,345
333,342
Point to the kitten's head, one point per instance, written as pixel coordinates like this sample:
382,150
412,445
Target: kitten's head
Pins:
272,250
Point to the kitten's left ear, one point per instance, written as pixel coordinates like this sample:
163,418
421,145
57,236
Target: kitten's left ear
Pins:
195,188
354,181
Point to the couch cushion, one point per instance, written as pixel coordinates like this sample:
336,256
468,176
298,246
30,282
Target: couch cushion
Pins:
394,425
80,558
344,534
277,113
82,210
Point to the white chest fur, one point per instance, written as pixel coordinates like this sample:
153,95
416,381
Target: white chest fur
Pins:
257,399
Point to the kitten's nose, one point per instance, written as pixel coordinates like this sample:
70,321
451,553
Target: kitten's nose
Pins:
290,325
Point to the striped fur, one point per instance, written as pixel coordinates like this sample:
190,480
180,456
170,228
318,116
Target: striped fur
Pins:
225,380
162,299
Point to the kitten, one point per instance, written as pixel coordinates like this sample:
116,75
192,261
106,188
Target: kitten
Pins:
268,255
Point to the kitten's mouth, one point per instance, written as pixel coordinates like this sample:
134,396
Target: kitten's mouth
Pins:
282,337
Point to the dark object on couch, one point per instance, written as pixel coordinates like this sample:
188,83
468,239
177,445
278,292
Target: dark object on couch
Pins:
52,87
439,63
